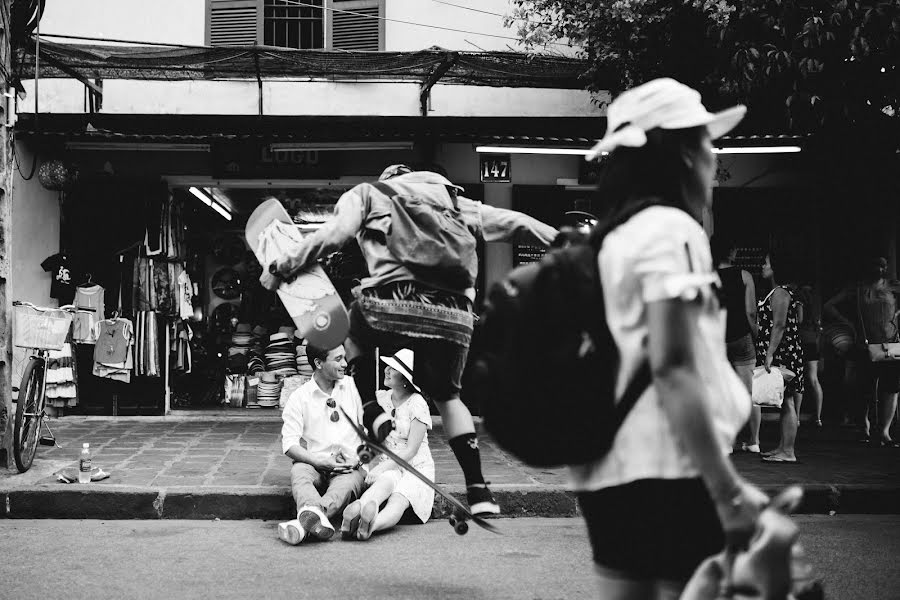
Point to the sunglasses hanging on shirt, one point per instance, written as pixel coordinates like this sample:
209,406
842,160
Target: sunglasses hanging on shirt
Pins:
334,415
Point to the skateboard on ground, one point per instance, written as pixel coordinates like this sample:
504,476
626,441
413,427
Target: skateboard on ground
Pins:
310,298
370,449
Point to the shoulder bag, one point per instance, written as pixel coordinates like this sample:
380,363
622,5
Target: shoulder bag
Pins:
883,352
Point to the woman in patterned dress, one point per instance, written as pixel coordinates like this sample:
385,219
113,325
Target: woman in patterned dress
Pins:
778,345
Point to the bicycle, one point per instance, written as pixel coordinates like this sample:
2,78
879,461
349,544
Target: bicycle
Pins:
41,330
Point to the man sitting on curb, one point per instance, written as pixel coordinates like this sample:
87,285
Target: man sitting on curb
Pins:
326,474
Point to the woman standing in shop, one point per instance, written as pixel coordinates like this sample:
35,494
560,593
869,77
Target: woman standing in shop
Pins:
780,314
739,300
666,494
875,304
409,440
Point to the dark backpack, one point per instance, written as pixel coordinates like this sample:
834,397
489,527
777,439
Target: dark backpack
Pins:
543,364
430,239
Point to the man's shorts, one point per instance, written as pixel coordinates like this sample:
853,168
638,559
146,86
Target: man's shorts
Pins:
438,364
741,352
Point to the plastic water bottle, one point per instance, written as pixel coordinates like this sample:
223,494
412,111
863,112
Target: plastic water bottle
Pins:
84,464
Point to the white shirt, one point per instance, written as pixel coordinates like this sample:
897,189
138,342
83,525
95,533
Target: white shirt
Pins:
661,253
307,416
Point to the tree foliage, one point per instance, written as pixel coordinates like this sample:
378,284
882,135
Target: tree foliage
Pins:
798,64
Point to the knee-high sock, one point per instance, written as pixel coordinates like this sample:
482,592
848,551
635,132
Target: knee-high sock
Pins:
465,447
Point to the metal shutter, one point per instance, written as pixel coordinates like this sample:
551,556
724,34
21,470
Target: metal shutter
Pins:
234,22
362,31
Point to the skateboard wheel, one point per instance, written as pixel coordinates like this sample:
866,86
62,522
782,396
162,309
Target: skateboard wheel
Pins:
461,528
322,321
365,454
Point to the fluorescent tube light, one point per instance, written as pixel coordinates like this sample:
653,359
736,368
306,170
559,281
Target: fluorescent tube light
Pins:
208,200
584,151
530,150
758,150
137,146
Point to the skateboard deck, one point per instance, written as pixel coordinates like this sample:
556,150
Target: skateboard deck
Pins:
370,448
310,298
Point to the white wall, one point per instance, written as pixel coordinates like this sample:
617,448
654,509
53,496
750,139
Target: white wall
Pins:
34,236
167,21
184,22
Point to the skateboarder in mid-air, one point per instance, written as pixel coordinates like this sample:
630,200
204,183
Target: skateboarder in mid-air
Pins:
418,237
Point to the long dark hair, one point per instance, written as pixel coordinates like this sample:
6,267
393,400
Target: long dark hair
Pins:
654,174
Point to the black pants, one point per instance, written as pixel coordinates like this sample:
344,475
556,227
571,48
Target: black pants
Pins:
652,528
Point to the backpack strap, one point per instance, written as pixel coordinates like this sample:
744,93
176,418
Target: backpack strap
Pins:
384,188
636,388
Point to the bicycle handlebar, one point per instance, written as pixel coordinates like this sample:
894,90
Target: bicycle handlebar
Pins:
66,307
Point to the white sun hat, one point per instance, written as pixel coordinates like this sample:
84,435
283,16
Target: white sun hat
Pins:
663,103
403,362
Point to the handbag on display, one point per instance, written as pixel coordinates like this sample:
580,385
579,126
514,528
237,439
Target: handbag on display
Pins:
883,352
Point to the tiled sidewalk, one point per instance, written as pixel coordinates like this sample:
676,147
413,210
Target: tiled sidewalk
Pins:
239,461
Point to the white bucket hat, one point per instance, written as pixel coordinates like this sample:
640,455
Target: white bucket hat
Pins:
663,103
403,362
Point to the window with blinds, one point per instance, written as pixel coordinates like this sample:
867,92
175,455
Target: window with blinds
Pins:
355,25
332,24
233,22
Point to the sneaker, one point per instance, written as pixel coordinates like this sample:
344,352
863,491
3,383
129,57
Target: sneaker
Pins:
751,448
291,532
315,523
481,501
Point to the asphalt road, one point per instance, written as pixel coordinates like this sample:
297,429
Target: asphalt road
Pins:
534,559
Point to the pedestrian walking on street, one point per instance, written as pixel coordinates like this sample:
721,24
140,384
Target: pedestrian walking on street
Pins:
666,495
387,481
739,300
326,474
871,308
780,314
418,295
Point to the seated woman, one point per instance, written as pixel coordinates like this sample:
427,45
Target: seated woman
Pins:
409,440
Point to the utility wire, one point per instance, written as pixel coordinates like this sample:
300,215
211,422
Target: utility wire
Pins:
364,15
488,12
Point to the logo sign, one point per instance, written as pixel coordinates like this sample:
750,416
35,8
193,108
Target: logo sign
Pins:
231,161
495,168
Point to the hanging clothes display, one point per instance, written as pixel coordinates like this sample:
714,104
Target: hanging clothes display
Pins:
180,347
146,344
164,236
90,304
61,389
113,357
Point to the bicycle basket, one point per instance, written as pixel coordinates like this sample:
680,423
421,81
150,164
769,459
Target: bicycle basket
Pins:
45,330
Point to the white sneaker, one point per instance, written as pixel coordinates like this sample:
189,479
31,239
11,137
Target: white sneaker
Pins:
315,523
291,532
753,449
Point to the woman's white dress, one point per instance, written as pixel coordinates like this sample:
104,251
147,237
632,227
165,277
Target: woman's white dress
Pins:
420,496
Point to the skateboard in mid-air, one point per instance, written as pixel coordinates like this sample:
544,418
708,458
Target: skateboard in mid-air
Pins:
310,298
460,514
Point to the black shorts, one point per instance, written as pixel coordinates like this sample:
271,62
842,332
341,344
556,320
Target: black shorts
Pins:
866,373
439,365
652,528
810,351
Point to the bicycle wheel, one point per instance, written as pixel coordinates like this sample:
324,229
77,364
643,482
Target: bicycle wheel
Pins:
29,411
